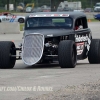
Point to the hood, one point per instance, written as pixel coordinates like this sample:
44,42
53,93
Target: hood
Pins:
50,32
2,16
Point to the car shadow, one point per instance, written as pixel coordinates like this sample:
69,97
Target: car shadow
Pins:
82,64
38,66
46,66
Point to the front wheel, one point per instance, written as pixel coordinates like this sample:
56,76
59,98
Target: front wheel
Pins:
6,50
94,52
67,54
21,20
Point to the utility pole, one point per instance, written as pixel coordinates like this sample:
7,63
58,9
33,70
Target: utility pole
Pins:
50,4
15,5
7,4
91,4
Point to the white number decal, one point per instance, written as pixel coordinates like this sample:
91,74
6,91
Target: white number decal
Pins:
5,19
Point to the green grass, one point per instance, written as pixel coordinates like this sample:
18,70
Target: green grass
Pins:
21,27
9,11
3,11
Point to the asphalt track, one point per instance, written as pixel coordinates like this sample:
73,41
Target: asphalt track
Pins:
13,81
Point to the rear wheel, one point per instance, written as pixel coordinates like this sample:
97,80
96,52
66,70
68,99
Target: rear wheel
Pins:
67,54
6,50
94,52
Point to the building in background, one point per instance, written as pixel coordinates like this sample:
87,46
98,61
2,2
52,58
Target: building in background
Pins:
73,5
11,7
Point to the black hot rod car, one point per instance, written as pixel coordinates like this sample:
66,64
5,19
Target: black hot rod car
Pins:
49,36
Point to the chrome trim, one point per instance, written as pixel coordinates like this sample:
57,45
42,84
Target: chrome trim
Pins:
32,48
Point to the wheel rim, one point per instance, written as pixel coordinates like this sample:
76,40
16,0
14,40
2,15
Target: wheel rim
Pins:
21,20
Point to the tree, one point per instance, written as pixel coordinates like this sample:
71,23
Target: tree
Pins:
85,3
7,4
15,4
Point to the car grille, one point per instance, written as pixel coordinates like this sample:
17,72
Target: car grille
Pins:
32,49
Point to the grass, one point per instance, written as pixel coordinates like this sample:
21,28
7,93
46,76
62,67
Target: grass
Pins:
7,11
1,10
21,27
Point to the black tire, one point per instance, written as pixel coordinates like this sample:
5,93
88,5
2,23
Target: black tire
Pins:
6,50
94,52
0,21
21,20
67,54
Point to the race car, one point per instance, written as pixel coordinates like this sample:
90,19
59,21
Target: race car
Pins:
9,17
53,36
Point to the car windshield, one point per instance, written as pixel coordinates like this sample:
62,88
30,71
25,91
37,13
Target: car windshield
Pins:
49,22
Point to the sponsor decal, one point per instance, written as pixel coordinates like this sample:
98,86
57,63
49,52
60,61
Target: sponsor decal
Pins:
5,19
66,15
50,35
31,16
50,15
81,42
81,38
80,48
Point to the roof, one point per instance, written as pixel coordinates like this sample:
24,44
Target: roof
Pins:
71,14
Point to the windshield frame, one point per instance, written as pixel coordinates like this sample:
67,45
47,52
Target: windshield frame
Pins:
48,27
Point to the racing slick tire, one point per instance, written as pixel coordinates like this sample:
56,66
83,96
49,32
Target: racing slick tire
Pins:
94,52
21,20
67,54
6,50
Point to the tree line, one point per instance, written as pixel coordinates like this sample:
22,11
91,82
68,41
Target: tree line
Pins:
85,3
